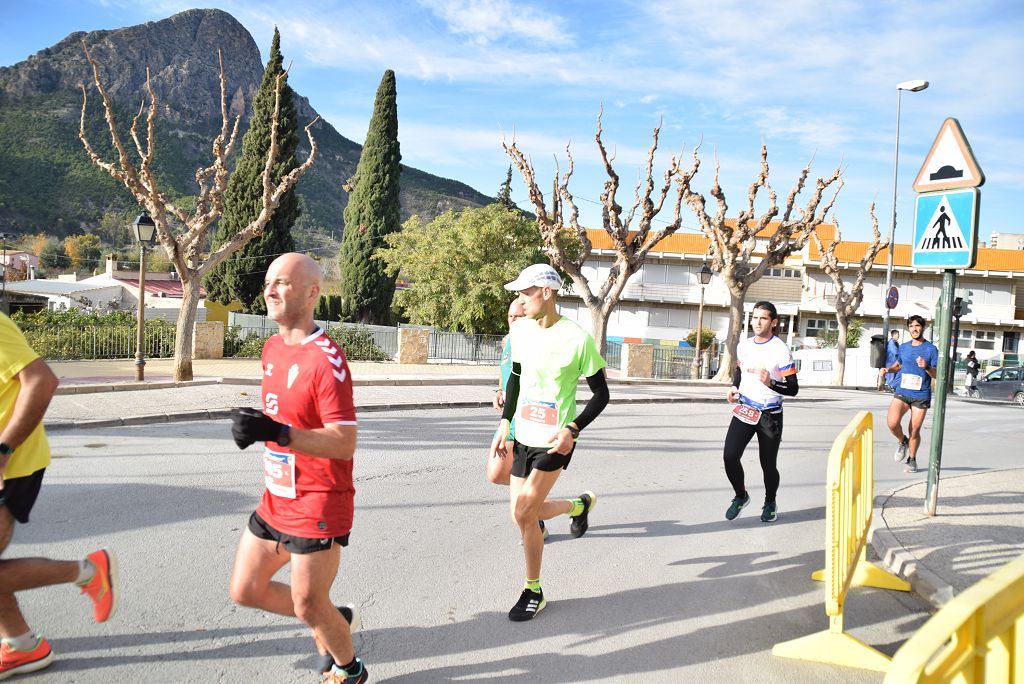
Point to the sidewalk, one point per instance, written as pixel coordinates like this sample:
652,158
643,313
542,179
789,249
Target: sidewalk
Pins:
978,527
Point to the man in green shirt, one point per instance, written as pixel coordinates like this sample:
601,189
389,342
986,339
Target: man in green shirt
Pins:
549,354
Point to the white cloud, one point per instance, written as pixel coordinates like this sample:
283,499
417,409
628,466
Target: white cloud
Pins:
488,21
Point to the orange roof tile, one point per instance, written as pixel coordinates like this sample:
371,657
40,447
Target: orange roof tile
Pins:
848,251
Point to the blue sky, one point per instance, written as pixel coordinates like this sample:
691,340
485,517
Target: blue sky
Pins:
810,79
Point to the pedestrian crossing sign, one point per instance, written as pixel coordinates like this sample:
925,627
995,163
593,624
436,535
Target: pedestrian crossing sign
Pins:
946,229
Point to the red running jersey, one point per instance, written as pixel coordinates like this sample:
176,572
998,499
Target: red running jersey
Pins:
307,385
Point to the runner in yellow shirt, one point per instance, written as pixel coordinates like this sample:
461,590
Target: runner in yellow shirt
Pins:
549,354
26,386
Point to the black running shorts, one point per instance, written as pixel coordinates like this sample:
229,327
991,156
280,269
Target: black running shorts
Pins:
300,545
19,494
915,403
527,458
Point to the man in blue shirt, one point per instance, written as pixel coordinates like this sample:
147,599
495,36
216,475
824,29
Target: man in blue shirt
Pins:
915,368
892,355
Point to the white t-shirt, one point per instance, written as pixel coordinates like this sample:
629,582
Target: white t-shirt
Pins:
773,356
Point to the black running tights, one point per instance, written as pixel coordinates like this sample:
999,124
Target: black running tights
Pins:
769,436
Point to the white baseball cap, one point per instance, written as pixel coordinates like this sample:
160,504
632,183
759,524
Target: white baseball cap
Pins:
537,275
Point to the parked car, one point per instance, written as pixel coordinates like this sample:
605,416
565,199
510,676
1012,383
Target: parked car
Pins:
1003,384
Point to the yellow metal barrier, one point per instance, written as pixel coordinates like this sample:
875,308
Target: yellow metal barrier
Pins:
850,496
976,637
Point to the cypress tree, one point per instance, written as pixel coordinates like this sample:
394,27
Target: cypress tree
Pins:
373,211
504,197
241,277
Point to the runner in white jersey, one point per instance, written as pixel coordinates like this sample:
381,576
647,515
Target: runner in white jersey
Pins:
764,373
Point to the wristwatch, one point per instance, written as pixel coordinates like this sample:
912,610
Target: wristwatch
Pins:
5,449
574,431
285,436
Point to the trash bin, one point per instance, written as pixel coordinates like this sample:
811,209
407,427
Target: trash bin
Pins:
878,351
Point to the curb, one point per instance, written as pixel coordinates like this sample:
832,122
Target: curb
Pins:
902,562
132,386
219,414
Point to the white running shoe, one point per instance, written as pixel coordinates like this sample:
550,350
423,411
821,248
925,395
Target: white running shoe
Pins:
901,451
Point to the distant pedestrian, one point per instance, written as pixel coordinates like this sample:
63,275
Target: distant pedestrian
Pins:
973,368
26,386
915,368
892,353
764,374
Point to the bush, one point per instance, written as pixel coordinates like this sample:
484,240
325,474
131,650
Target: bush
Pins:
73,334
829,339
357,344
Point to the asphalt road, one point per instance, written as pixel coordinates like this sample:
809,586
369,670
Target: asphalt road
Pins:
661,587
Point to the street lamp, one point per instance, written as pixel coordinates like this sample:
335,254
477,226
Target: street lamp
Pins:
704,274
914,87
3,296
145,233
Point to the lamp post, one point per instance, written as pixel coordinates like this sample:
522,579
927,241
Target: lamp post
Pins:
704,274
145,233
914,87
3,296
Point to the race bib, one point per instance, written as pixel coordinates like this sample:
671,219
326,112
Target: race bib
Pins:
910,382
536,422
279,473
747,414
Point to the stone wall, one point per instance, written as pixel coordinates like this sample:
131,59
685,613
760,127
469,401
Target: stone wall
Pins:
208,340
413,345
638,360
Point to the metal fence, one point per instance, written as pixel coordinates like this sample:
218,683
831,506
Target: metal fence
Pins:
613,354
453,346
63,343
672,362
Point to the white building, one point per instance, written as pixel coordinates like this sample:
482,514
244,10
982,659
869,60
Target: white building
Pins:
660,303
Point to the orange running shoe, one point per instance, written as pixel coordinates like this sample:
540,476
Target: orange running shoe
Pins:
13,661
102,588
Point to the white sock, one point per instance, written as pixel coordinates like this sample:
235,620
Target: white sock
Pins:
86,570
25,642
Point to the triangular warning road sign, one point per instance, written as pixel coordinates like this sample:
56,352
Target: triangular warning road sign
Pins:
950,163
943,233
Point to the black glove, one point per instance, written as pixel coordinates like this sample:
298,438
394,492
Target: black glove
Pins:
250,425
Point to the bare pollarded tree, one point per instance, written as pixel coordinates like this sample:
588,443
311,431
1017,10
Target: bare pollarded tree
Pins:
848,300
560,228
733,243
185,246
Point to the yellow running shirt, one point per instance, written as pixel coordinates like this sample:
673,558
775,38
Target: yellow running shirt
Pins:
552,360
34,453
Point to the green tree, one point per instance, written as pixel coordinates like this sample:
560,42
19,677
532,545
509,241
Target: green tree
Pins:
707,336
83,251
373,213
241,277
829,339
52,256
504,197
458,264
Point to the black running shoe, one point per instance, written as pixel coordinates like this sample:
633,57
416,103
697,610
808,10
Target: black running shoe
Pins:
336,675
529,604
738,503
769,513
578,526
325,662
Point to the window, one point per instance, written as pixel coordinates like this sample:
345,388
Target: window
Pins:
1009,374
816,325
782,273
825,365
1010,342
995,375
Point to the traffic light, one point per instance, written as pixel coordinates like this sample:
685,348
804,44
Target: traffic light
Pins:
962,304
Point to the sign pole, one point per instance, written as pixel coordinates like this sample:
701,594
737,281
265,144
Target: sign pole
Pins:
943,325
